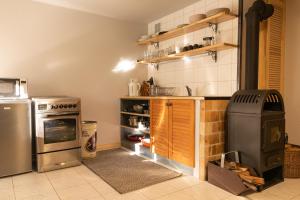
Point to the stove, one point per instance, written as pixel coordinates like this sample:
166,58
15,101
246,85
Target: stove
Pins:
256,129
256,118
56,132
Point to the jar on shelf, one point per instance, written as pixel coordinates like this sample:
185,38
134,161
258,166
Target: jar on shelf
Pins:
208,41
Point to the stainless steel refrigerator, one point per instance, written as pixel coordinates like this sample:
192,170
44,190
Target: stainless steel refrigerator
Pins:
15,137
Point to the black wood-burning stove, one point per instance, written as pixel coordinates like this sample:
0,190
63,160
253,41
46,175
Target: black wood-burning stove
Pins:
256,118
256,129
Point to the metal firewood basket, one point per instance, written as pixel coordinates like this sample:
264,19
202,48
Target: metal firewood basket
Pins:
225,178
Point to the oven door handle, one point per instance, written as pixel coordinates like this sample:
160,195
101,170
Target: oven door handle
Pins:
62,114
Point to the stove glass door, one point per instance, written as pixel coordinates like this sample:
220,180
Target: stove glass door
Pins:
273,135
60,130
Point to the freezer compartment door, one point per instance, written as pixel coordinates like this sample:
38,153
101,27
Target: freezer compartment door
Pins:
15,138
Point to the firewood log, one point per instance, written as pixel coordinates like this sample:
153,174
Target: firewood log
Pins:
252,179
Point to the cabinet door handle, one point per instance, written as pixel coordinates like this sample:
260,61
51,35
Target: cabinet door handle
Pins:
169,104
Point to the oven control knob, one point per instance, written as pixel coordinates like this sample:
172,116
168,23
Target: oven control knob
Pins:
54,107
74,105
70,105
61,106
65,106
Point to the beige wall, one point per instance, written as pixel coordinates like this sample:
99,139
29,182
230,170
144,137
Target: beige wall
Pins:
292,73
66,52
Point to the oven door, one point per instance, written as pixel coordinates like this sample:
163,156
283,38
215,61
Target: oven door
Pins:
57,132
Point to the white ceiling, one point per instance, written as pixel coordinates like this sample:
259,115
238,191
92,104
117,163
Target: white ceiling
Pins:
142,11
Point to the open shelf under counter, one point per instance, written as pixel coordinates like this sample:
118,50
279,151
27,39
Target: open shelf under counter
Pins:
194,52
135,129
215,19
135,114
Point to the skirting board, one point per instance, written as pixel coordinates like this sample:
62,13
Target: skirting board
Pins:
102,147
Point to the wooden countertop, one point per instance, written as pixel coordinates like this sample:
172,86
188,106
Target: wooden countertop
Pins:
175,97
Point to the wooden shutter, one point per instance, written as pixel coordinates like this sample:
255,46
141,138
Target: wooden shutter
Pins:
271,52
182,131
159,127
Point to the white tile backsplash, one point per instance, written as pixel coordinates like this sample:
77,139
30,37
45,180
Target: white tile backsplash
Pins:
200,73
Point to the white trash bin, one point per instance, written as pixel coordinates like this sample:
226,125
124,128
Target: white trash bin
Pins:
89,139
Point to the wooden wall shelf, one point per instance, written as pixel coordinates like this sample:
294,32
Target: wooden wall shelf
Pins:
215,19
135,129
135,114
195,52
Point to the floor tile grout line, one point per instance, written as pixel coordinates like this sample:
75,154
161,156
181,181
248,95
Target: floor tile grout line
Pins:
52,186
90,184
164,195
70,168
13,186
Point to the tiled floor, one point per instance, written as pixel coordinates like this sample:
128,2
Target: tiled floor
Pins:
79,183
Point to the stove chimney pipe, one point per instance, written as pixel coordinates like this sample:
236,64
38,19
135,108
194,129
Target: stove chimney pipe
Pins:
258,12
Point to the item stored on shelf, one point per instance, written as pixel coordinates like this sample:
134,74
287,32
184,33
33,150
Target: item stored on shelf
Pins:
134,87
196,17
133,121
208,41
137,108
217,11
145,89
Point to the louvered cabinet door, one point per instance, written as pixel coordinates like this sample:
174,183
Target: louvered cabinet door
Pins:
182,131
272,44
159,121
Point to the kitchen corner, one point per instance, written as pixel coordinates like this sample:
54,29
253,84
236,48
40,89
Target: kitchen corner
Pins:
183,132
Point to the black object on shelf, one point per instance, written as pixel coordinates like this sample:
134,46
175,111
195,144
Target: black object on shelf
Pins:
189,90
151,81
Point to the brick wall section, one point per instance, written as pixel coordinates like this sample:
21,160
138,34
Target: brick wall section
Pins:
211,132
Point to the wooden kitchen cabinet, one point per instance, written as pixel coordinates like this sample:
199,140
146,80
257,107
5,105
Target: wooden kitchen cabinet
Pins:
173,130
159,120
272,49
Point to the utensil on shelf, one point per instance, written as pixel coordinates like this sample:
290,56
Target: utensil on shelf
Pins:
153,90
196,17
137,108
217,11
208,41
162,32
166,91
146,142
134,87
134,137
181,25
189,90
151,81
145,89
133,121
